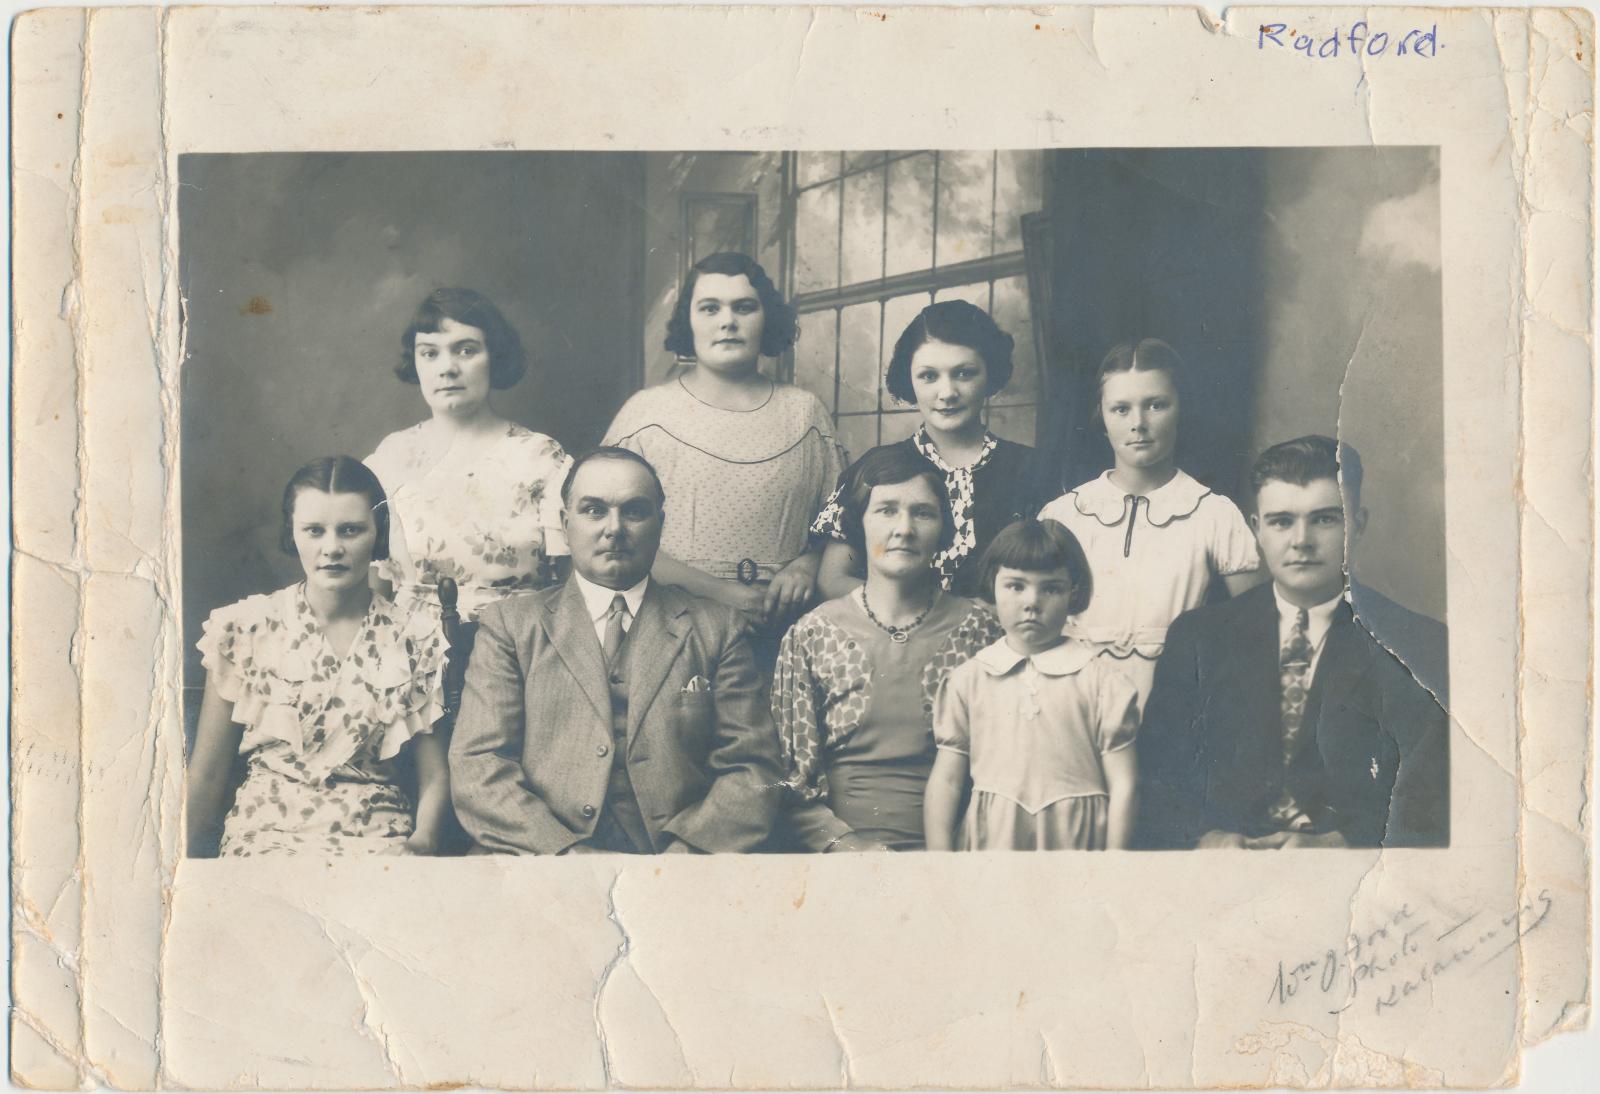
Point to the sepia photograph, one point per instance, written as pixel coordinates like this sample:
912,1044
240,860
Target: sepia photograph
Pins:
582,548
965,500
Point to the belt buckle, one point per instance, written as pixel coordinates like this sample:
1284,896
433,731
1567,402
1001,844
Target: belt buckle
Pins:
748,571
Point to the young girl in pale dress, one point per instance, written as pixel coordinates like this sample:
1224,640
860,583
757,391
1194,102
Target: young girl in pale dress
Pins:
322,687
1155,537
1037,725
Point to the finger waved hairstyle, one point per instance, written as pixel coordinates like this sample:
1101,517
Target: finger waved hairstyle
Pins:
780,325
960,324
337,475
507,360
1037,546
887,466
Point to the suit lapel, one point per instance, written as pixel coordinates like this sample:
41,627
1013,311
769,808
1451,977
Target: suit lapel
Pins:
571,632
653,644
1341,666
1261,690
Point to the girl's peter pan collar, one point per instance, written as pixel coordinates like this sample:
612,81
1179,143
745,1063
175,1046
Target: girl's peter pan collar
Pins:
1069,657
1106,502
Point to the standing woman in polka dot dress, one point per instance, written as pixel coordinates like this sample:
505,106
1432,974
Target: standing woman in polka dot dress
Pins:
856,677
745,461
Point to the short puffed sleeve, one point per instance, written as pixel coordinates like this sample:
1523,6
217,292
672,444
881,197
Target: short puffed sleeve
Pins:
1116,707
1232,547
550,463
952,710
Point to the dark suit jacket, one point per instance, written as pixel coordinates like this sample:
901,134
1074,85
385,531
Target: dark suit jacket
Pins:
531,756
1376,750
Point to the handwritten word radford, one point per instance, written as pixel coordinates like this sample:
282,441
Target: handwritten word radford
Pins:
1394,960
1359,41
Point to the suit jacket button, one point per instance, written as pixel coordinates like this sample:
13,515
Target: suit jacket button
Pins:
615,679
601,750
588,812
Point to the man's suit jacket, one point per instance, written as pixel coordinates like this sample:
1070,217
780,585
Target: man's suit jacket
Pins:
1376,743
531,757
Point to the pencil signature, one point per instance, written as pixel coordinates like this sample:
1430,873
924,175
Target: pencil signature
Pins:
1404,955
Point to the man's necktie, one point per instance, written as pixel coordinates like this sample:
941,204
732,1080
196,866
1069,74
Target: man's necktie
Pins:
1294,673
614,632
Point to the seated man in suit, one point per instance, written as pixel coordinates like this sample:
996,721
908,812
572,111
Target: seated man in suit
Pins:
1283,719
613,713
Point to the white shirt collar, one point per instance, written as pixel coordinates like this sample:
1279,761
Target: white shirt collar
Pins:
1319,617
597,598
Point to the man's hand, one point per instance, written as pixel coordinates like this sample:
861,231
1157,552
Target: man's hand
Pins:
1216,840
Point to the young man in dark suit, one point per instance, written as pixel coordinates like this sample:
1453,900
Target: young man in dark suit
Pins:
1282,718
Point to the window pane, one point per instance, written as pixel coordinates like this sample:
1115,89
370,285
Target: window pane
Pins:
815,166
910,236
966,205
815,353
858,357
863,227
1011,312
852,160
897,427
816,239
1019,188
1014,423
857,432
976,293
897,315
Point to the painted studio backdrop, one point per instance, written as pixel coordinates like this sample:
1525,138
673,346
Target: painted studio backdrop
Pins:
1301,286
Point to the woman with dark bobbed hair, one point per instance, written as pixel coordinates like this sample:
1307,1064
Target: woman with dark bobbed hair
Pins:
323,687
856,677
948,362
476,498
745,461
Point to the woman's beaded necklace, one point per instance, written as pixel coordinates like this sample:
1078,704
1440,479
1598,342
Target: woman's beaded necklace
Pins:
898,635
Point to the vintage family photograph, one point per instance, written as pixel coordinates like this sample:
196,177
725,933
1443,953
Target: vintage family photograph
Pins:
651,502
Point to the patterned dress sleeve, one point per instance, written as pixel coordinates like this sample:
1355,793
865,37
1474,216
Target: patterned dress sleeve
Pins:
1116,709
554,463
1233,548
979,628
829,523
227,651
624,428
384,462
952,715
797,714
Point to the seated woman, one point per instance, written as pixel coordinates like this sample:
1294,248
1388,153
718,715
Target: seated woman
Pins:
745,461
856,677
948,362
321,686
476,498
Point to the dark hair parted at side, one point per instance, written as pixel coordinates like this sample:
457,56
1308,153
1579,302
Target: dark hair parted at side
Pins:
611,452
960,324
337,475
1306,459
887,466
1038,546
507,360
779,324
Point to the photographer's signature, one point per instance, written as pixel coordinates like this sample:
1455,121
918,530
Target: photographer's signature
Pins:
1404,955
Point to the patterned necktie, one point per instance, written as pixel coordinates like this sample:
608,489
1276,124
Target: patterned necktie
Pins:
615,617
1294,672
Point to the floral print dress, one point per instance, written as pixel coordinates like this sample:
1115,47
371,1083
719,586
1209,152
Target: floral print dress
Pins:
321,732
493,526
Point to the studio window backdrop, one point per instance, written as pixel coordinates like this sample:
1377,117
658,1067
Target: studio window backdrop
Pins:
877,236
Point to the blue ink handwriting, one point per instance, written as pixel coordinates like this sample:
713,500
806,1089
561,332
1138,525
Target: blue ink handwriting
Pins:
1359,41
